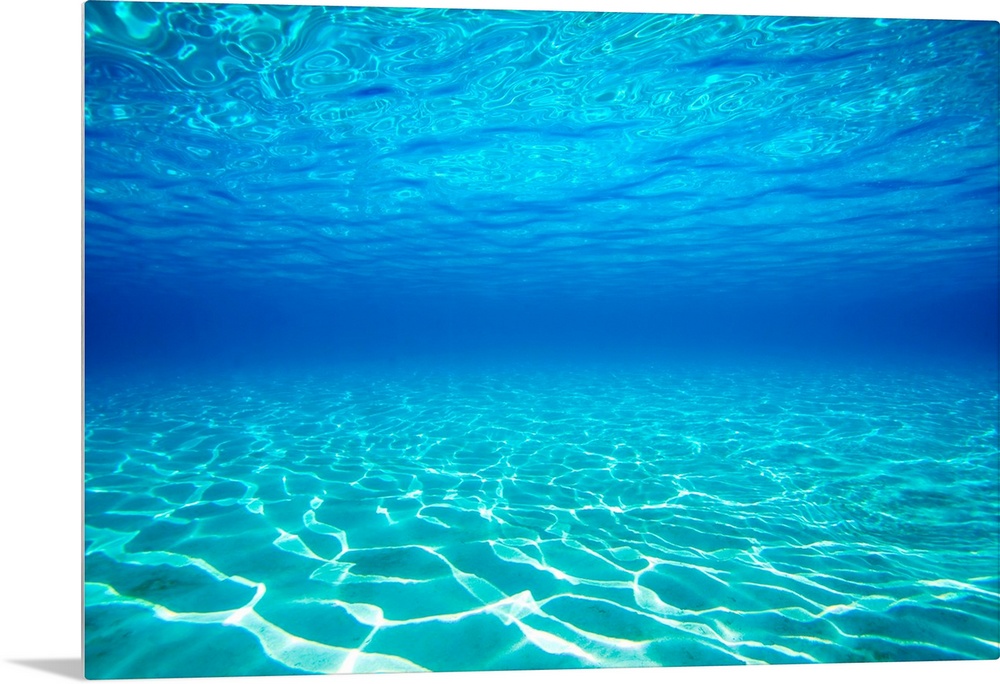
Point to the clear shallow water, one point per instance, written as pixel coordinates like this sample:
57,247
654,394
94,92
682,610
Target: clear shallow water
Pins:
537,518
422,339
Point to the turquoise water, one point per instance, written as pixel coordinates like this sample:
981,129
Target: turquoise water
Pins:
462,340
533,518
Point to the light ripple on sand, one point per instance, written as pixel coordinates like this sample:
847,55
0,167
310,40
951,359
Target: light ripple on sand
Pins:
423,464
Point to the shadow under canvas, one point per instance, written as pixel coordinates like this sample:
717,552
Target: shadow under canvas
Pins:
71,668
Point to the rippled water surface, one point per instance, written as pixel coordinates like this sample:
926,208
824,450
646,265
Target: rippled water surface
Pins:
387,148
462,340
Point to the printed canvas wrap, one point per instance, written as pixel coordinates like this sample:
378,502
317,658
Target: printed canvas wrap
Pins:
437,339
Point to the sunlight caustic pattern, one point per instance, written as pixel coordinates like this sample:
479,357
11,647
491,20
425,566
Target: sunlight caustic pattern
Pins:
532,520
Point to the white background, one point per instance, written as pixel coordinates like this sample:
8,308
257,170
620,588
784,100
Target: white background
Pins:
40,349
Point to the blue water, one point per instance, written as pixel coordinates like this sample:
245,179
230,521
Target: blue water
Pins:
451,340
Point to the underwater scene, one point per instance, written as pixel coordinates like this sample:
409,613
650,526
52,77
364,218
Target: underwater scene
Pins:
437,340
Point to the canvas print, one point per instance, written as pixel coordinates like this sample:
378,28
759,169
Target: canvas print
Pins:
433,340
